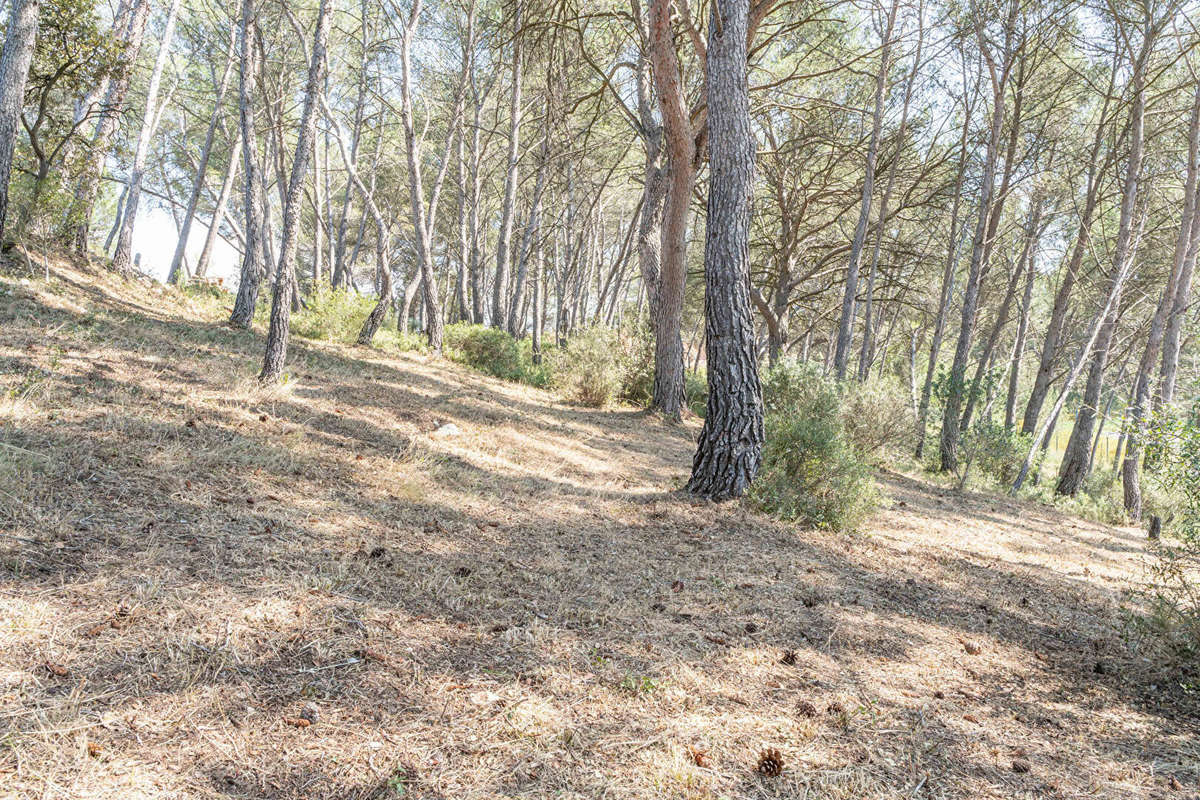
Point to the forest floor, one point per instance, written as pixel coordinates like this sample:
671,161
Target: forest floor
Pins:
527,607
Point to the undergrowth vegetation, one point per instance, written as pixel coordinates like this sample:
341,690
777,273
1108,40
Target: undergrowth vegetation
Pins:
822,439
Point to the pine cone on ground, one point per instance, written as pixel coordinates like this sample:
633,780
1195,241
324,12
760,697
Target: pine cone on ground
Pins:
770,762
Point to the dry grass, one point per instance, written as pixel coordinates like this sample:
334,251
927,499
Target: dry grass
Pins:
525,609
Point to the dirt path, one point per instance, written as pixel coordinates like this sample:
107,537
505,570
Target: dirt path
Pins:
523,608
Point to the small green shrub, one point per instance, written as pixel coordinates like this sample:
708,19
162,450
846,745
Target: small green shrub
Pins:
811,471
331,315
486,349
811,475
588,369
878,417
997,451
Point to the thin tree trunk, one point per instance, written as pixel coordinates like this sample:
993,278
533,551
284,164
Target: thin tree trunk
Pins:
503,256
1173,336
253,264
1075,459
868,339
202,167
1001,321
1014,372
841,355
1062,298
210,237
947,290
1140,404
122,256
282,297
999,79
87,192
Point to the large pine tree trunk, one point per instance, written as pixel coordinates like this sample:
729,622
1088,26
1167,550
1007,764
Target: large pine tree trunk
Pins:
19,43
729,452
253,263
284,294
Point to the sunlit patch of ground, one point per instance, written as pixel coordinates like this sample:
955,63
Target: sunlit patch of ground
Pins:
190,564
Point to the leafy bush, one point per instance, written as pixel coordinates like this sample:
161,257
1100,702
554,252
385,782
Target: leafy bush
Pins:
486,349
878,416
811,472
1173,593
331,315
589,368
997,451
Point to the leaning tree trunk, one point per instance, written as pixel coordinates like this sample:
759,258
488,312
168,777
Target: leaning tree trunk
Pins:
970,304
198,184
1074,466
729,452
1014,372
1173,338
1139,407
87,191
841,355
19,44
281,300
253,264
219,209
1001,321
123,255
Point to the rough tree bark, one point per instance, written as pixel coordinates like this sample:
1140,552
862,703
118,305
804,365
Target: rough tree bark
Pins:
729,452
680,141
19,43
281,299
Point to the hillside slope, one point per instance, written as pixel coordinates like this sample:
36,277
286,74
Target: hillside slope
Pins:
189,564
